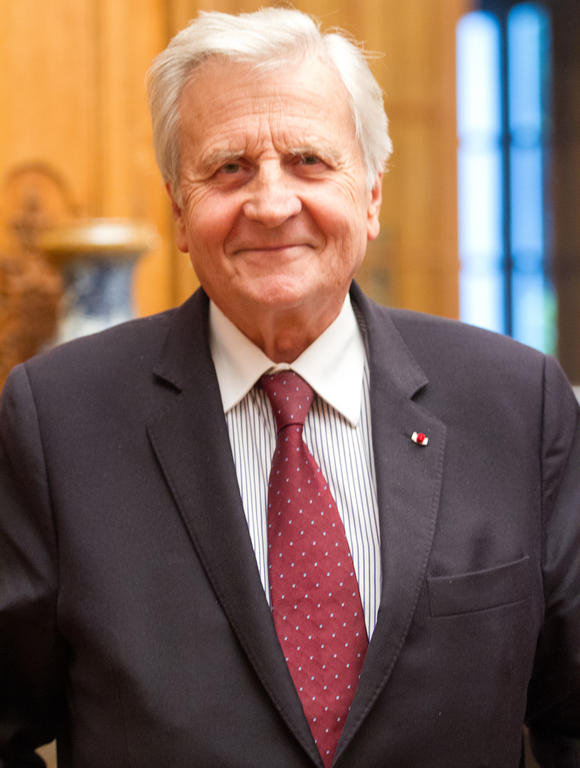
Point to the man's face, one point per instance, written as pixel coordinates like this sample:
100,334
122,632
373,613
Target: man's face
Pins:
275,212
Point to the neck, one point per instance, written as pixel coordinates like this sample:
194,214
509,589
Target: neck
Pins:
284,335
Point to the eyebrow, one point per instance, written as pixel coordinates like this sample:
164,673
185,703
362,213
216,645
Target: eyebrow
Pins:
325,153
217,157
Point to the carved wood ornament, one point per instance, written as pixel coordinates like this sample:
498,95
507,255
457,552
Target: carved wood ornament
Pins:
32,199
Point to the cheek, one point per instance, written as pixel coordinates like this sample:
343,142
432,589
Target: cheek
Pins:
343,200
208,225
343,220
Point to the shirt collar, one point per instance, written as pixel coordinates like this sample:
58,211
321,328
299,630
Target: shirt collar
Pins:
333,364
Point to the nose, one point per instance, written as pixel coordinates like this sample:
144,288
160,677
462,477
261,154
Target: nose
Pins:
271,198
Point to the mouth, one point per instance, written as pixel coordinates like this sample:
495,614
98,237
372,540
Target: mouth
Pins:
270,248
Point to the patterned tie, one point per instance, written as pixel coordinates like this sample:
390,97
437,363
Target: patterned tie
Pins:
314,593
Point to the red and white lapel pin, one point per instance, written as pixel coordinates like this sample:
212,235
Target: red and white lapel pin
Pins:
420,438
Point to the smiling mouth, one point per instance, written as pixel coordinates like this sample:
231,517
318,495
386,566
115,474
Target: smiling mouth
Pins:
271,248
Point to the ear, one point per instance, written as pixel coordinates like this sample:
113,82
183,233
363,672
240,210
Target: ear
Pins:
180,228
374,208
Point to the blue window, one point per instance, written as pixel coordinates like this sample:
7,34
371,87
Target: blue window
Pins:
503,130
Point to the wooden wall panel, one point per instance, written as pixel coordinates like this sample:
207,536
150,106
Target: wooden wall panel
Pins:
46,91
73,102
45,148
129,34
420,198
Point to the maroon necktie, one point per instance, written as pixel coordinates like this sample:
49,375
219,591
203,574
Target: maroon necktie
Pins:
314,593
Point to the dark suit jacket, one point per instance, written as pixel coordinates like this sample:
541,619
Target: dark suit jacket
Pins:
133,623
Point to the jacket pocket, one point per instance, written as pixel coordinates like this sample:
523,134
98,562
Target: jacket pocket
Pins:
479,590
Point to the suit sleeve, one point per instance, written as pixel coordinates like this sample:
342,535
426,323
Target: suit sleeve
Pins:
31,655
554,692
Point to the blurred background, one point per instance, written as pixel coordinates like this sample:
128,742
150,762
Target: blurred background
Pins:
480,202
480,216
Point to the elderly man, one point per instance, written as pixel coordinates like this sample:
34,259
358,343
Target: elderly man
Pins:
281,526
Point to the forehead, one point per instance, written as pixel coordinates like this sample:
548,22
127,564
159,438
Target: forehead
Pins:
225,103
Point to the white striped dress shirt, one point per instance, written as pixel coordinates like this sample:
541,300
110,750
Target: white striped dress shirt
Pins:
337,432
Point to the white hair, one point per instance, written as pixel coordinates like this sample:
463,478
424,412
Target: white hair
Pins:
266,38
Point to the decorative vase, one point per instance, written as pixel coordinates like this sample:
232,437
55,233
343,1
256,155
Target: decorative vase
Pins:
96,258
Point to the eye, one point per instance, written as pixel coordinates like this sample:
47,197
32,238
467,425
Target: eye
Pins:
230,168
309,160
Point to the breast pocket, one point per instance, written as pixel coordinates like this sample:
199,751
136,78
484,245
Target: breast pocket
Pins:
479,590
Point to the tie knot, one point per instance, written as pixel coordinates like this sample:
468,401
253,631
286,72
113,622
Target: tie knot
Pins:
290,397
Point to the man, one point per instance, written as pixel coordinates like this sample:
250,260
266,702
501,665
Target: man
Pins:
281,526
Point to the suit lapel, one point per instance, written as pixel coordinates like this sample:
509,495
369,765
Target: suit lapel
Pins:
408,484
190,439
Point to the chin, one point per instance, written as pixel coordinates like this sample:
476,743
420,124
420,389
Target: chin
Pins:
281,293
